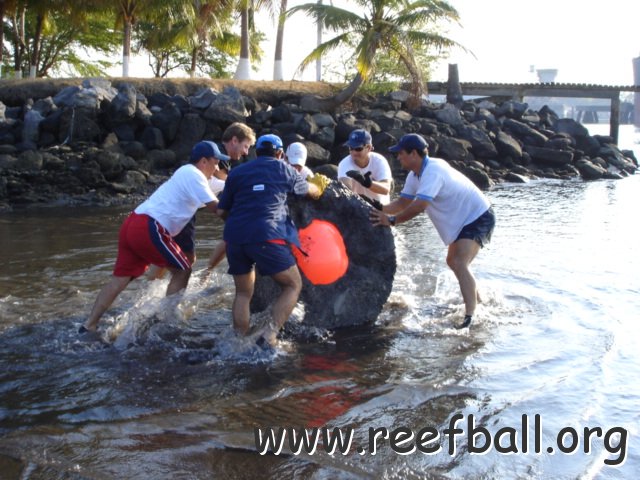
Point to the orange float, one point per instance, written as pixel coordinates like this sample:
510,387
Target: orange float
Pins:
326,257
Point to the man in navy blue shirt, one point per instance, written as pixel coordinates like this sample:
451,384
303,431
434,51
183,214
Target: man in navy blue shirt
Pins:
259,232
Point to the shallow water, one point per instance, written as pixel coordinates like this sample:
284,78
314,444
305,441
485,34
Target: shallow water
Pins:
175,395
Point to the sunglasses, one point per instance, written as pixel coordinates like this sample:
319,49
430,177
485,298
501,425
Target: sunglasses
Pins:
357,149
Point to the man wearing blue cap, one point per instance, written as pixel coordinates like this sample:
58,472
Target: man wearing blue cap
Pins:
259,233
364,171
147,234
461,213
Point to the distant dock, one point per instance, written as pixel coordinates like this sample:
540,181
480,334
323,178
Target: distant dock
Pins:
517,91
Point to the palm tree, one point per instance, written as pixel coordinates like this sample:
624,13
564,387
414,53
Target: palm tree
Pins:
277,61
243,70
395,28
249,38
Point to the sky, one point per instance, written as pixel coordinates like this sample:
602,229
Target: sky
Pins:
586,41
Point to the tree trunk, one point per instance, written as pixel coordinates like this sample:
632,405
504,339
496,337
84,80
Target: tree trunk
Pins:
126,47
194,62
277,62
1,35
330,104
19,42
318,42
243,71
35,54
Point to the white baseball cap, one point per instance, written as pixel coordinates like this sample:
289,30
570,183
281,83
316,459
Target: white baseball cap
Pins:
297,154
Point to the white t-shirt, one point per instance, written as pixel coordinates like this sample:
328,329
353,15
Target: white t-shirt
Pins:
305,172
454,200
177,200
216,184
379,168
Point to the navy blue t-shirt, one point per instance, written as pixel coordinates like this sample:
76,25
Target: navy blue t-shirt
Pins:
255,196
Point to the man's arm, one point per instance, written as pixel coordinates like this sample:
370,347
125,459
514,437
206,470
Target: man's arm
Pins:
414,208
382,187
212,206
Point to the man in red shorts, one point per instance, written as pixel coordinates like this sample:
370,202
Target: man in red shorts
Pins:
146,236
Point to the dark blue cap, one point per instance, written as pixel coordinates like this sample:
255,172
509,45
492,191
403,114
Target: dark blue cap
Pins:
207,149
358,138
408,142
269,141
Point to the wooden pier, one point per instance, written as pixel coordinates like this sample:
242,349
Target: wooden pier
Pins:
517,91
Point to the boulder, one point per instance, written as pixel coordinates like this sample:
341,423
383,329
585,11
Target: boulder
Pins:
358,297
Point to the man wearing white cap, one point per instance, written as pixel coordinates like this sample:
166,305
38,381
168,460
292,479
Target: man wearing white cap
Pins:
364,171
296,155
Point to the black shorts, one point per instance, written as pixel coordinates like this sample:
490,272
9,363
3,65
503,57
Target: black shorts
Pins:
187,237
480,229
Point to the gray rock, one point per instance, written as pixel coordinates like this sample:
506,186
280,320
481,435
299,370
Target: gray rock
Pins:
523,132
481,144
508,146
203,99
548,156
589,170
450,115
29,160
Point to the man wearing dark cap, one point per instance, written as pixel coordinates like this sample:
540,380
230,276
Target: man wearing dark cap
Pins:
236,141
364,171
461,213
147,234
259,233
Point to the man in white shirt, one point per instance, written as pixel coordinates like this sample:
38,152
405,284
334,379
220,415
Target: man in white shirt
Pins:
461,213
364,171
147,234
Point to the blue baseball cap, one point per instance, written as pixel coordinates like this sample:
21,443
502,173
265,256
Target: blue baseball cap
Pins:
358,138
269,141
207,149
408,142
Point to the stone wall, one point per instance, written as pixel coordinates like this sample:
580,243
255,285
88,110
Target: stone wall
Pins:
95,143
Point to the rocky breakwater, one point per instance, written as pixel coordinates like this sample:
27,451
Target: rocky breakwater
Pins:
104,142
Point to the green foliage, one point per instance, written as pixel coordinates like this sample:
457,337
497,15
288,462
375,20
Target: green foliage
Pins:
67,46
390,38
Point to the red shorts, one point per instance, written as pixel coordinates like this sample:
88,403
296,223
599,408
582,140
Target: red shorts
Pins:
142,242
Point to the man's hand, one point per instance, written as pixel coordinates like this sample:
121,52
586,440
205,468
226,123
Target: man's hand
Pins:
373,202
224,166
364,180
320,181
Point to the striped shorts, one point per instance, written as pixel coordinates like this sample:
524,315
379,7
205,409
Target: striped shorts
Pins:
143,241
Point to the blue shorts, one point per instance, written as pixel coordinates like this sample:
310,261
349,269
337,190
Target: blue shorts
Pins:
187,236
268,257
480,229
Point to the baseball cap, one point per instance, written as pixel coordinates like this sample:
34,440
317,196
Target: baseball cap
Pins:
358,138
297,154
269,141
207,149
408,142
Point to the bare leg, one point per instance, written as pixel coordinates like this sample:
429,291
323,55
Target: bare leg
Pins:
241,303
179,280
104,300
217,255
461,254
155,272
291,284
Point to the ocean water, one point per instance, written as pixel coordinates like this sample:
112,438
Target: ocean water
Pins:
173,394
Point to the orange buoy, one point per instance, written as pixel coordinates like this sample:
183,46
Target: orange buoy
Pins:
326,257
